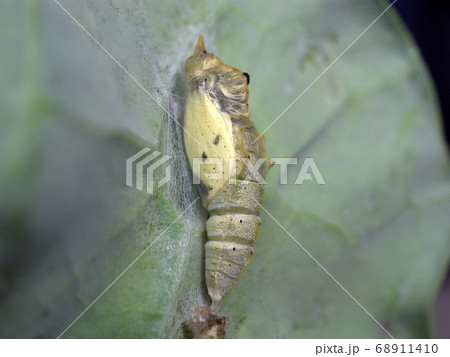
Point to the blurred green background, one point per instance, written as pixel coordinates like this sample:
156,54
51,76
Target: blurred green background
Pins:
71,116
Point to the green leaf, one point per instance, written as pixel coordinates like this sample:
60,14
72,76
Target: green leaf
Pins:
373,240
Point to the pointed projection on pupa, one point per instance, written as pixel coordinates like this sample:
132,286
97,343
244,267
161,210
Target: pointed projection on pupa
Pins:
218,126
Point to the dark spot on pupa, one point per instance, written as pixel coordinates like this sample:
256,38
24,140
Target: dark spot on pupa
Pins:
204,157
204,188
217,139
247,76
240,220
234,248
251,253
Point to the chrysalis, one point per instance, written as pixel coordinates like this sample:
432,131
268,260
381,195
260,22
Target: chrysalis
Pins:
218,127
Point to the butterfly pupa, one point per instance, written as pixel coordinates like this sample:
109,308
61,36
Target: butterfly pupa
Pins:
218,126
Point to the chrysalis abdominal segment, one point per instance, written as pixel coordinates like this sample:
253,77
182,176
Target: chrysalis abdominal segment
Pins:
218,125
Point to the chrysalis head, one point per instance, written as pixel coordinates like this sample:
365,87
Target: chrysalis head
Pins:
200,60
